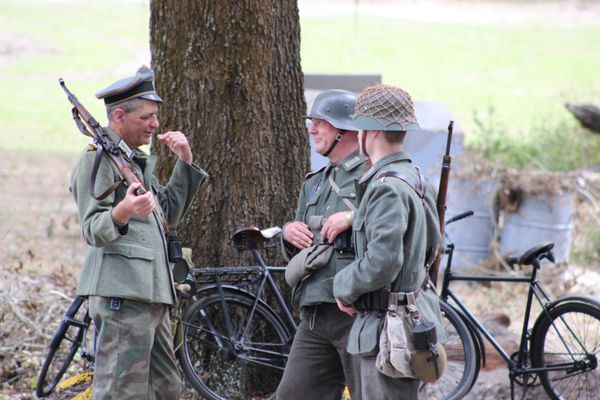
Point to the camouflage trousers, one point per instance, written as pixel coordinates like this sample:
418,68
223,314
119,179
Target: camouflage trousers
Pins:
134,354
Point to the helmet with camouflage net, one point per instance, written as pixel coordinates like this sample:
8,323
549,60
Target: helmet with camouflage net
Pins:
386,108
336,107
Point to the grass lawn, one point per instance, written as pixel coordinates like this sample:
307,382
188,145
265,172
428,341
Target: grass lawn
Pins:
504,80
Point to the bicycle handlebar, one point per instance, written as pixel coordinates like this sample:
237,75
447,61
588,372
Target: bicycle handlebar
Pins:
460,216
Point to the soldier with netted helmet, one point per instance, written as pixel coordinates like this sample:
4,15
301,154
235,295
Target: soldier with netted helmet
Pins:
318,366
393,240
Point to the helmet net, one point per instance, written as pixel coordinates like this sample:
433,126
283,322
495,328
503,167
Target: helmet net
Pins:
387,105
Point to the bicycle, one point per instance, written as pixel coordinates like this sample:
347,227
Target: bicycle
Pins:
561,348
235,344
247,318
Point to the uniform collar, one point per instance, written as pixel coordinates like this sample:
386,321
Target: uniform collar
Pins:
353,161
390,158
139,156
349,163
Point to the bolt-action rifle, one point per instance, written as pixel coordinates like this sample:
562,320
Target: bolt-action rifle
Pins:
119,154
441,201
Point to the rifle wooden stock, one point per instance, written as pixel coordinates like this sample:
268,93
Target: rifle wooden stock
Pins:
441,201
88,125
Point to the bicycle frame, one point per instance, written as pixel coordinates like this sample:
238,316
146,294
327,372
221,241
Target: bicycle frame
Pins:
265,278
517,366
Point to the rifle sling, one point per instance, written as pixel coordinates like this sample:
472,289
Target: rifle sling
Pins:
111,188
80,125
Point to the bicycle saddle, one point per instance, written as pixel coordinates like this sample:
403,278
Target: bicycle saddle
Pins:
533,254
251,237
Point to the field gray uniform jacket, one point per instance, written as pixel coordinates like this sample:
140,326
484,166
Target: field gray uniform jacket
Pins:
130,262
390,239
317,197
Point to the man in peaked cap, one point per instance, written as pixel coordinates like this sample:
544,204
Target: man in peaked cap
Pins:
394,239
318,366
126,273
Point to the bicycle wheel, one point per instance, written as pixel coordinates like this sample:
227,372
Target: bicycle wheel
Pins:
569,341
64,345
231,353
462,365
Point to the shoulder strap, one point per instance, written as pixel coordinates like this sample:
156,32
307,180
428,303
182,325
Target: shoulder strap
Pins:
419,187
336,189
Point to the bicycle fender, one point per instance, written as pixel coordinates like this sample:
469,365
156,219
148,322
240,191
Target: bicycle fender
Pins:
475,334
563,300
574,299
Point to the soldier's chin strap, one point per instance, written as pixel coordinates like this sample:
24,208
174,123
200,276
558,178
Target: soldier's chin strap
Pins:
338,137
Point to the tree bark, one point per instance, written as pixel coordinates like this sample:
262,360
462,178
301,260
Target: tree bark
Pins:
230,76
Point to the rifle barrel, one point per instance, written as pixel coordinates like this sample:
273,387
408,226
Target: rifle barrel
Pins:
449,141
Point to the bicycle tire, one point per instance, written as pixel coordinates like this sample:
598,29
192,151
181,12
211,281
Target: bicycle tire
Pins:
64,345
462,365
569,337
247,366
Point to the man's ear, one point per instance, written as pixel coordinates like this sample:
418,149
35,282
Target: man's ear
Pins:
119,115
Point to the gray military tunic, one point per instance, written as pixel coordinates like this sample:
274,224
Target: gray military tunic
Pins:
129,263
318,366
390,238
318,198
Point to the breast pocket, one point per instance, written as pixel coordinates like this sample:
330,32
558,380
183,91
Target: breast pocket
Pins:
348,196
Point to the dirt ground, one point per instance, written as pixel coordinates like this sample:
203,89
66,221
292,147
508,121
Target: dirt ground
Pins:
41,250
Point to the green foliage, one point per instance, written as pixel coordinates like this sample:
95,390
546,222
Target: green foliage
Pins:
86,43
506,83
562,146
590,251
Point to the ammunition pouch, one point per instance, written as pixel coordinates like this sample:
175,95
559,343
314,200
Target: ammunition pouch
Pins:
378,300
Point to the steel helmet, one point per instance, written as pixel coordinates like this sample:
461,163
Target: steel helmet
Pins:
336,107
386,108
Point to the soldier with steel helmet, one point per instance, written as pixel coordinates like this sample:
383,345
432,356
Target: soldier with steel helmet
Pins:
318,366
393,238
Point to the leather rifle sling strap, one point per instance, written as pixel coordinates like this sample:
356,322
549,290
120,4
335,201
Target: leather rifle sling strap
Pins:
111,188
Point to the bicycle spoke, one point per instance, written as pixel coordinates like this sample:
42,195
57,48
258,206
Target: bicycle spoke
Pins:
567,344
242,367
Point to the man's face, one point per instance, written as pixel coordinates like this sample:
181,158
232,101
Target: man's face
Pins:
323,134
138,126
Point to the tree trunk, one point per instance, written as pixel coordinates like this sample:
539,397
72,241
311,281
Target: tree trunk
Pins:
230,77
